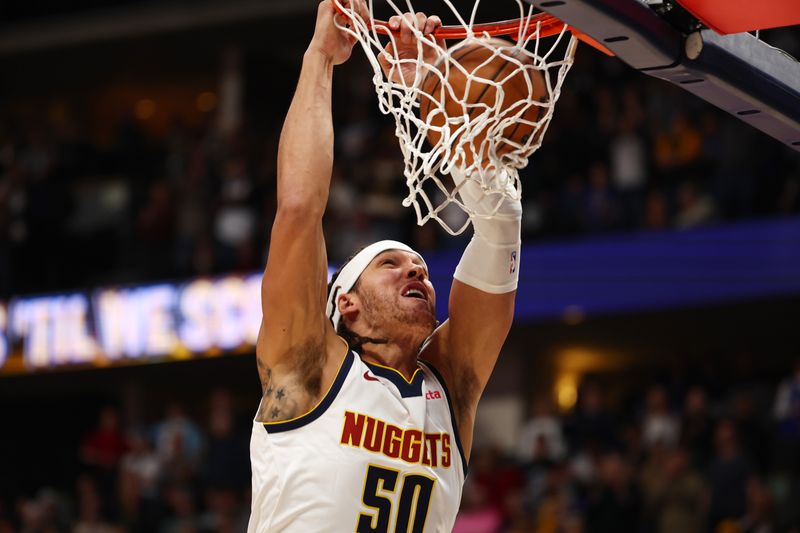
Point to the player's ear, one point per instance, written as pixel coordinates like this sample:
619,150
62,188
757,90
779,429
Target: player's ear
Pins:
349,305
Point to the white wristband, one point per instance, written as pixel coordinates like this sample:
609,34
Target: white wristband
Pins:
491,260
490,268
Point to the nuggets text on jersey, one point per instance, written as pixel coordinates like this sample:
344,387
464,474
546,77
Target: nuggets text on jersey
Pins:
410,445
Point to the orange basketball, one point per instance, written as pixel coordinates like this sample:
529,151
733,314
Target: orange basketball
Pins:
475,59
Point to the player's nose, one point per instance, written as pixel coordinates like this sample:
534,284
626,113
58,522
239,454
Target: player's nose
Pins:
416,271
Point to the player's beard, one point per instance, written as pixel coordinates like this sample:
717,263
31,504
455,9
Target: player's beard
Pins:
385,309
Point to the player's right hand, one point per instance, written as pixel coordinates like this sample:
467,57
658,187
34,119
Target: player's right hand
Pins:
332,42
403,46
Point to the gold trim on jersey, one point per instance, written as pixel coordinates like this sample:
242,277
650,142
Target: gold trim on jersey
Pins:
409,381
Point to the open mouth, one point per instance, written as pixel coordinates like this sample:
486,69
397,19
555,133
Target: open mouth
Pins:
414,293
415,290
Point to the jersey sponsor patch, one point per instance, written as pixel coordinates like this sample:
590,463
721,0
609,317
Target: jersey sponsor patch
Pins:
410,445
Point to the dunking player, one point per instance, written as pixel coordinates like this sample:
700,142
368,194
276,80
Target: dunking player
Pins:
367,413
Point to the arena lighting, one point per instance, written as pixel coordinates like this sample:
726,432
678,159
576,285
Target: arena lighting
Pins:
566,391
573,363
162,322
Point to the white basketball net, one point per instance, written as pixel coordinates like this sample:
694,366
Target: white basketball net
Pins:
474,138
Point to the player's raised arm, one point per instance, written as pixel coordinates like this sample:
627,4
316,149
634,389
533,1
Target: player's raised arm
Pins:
296,337
481,307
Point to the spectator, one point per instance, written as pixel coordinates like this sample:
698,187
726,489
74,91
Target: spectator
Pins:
182,516
553,501
175,432
103,448
140,474
499,480
678,149
675,494
697,427
225,463
155,227
613,502
753,430
92,516
600,208
787,415
590,424
235,221
728,478
541,439
628,161
659,425
759,517
656,211
694,207
44,512
477,514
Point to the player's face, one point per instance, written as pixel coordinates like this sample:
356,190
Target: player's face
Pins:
395,287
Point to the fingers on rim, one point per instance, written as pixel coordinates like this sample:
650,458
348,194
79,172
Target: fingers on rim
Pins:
407,28
420,21
357,6
361,9
432,24
407,22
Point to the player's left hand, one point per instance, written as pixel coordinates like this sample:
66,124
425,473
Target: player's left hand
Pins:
329,39
404,45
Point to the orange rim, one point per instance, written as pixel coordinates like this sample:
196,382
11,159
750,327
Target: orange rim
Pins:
550,26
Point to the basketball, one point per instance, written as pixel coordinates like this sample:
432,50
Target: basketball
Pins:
480,62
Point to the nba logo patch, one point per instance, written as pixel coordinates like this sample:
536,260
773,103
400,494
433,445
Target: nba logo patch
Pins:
512,267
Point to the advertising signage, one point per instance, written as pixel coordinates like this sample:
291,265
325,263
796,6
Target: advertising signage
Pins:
587,277
117,326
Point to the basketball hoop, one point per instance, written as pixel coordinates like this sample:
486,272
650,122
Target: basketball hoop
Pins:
483,118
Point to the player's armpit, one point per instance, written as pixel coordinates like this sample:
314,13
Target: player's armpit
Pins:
283,396
297,382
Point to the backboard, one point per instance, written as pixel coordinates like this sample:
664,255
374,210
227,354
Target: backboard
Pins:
737,72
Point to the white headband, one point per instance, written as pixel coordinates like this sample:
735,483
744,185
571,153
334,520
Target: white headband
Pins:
352,271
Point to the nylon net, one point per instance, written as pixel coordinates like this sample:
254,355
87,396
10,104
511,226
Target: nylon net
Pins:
442,128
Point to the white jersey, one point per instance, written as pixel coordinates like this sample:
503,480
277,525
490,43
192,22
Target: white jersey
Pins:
378,453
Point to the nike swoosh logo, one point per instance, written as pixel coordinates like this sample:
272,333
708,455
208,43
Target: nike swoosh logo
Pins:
369,378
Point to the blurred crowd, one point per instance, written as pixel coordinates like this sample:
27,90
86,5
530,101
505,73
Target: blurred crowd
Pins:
688,456
624,152
172,475
689,459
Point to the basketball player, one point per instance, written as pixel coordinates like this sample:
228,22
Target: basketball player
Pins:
366,420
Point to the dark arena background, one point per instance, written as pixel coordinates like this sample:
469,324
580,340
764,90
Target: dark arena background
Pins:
651,381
